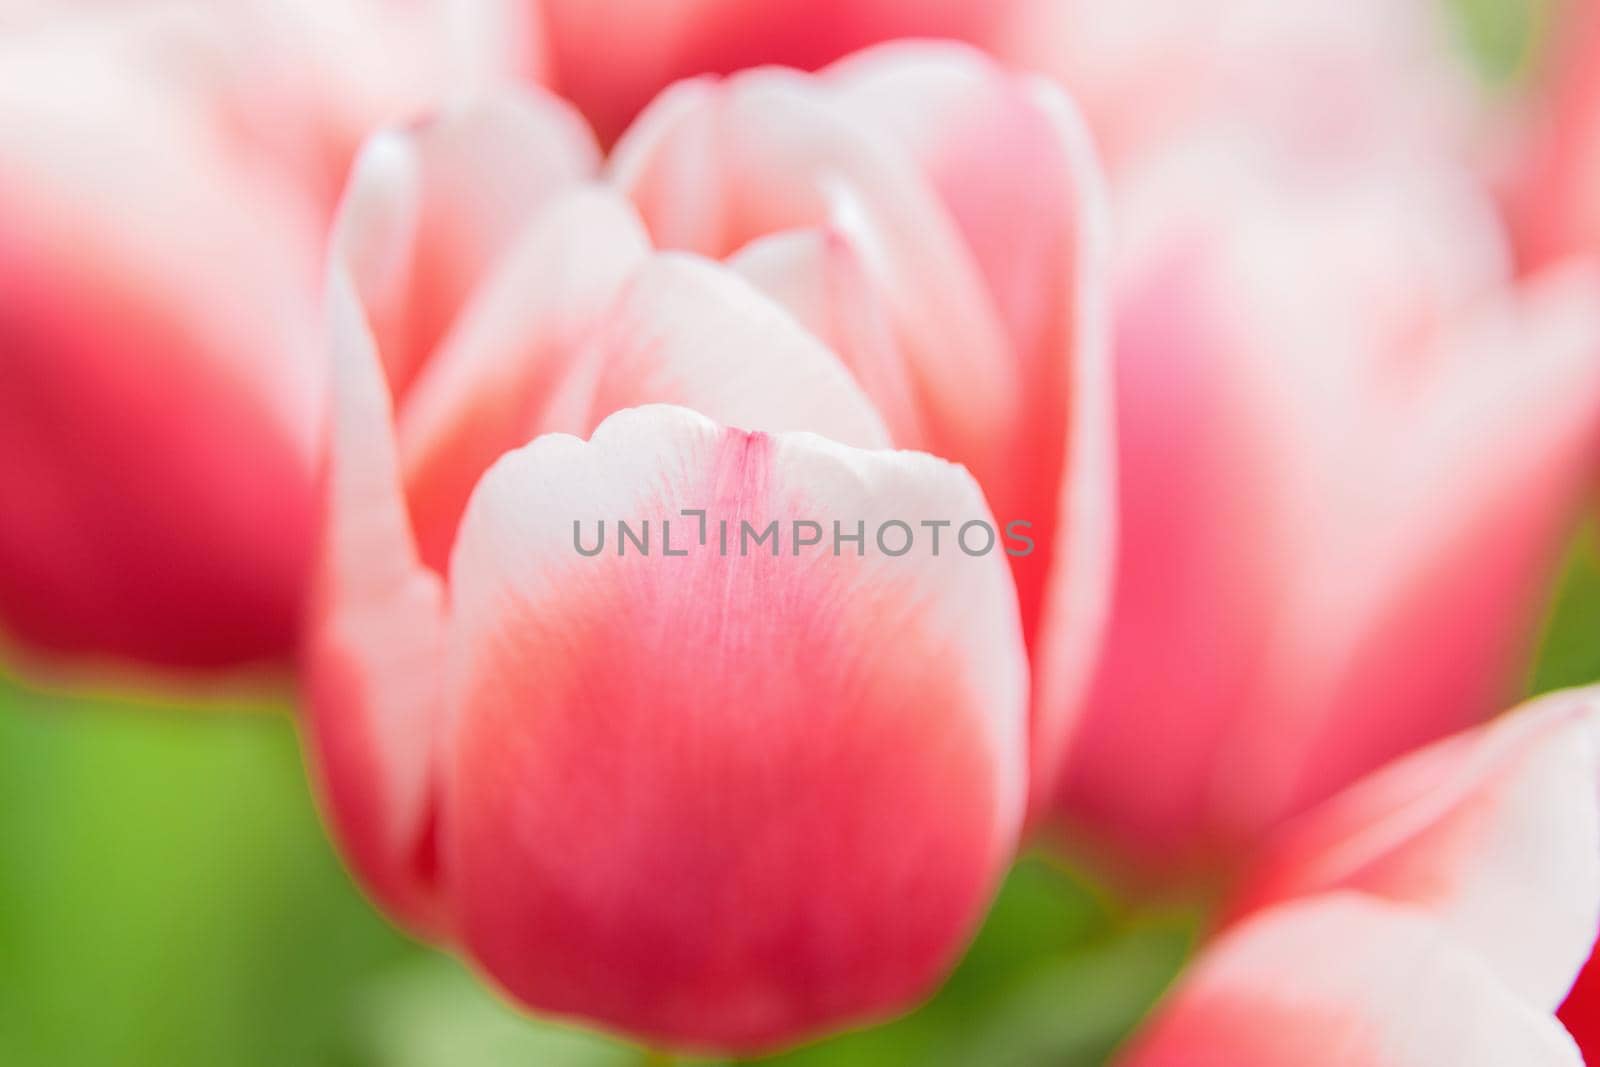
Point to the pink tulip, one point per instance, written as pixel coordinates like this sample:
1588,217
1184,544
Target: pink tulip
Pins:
725,801
1555,197
1580,1013
1435,913
610,57
1350,453
166,172
1316,74
939,226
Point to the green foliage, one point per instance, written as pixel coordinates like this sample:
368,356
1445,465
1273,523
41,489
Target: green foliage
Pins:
166,893
1569,651
1502,37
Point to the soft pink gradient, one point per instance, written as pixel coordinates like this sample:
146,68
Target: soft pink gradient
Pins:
1313,74
724,803
1436,912
1555,193
167,170
1351,449
718,803
610,57
940,222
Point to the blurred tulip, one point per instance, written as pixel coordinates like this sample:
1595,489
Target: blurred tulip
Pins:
1316,74
1555,195
1138,67
610,57
729,801
1434,913
166,172
1350,452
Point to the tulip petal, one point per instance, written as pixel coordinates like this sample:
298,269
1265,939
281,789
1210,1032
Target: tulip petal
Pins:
1496,833
1013,164
1341,502
430,210
488,386
1480,456
684,331
972,201
714,166
1345,981
724,801
1553,202
820,277
159,393
612,56
373,664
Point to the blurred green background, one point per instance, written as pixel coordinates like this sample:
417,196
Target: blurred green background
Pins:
168,897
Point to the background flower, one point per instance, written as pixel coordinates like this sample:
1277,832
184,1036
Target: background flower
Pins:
167,171
1351,450
1436,912
171,867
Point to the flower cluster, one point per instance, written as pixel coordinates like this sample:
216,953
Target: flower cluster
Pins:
1145,429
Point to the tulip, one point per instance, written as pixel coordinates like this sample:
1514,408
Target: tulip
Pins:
939,225
166,173
1434,913
1139,68
610,57
1351,450
1316,74
1555,194
713,798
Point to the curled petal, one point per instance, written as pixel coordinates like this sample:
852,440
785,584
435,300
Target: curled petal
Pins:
820,277
489,386
725,801
1345,981
430,210
373,663
1341,502
1473,479
1495,833
1013,165
715,166
684,331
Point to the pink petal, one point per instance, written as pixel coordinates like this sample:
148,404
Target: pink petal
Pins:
373,663
1554,203
487,387
688,332
423,227
1013,164
725,802
1466,499
1324,79
159,412
716,166
1345,981
1495,833
1342,503
821,278
612,56
970,201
